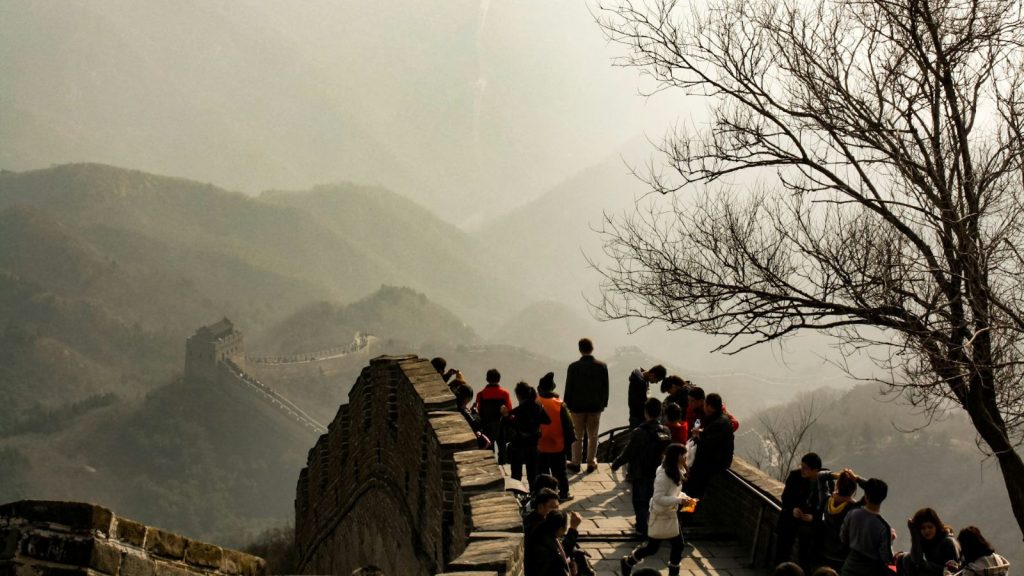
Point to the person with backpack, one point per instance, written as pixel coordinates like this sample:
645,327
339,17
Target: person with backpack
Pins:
839,504
523,426
664,505
555,437
647,443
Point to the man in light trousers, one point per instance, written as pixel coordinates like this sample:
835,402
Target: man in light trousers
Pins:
586,396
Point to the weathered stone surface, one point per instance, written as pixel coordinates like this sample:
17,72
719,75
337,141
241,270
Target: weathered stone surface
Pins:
498,555
170,569
136,565
203,554
479,473
9,538
130,532
73,515
52,543
105,558
57,549
234,562
452,431
166,544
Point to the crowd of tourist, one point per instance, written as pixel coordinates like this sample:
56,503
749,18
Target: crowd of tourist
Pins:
677,448
834,532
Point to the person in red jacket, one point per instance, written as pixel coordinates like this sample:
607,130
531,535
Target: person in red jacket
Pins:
489,403
695,411
675,423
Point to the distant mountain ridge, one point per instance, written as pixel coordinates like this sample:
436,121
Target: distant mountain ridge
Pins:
315,245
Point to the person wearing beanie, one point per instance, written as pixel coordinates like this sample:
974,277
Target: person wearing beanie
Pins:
555,437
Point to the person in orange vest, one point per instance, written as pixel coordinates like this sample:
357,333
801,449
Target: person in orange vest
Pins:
556,437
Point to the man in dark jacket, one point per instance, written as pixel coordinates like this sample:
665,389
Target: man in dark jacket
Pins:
803,503
586,396
647,442
640,381
715,446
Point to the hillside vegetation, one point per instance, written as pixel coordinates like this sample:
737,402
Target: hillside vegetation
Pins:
934,464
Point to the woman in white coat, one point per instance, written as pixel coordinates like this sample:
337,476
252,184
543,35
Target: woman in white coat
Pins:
664,521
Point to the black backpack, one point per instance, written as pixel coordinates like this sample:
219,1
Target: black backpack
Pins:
659,439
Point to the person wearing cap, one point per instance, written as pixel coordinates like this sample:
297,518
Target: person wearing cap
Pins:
556,436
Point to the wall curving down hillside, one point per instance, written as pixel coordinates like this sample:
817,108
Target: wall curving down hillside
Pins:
397,484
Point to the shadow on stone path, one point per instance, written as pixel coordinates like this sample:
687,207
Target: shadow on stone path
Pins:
603,499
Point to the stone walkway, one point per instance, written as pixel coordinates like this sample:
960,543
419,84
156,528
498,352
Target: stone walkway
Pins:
603,499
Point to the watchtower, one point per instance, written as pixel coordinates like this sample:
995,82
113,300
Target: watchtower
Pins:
211,345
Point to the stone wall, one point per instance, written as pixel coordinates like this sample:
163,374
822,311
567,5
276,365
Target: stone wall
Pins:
39,538
322,367
745,502
397,483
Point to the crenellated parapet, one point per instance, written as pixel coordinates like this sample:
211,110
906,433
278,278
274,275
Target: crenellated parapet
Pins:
397,483
40,538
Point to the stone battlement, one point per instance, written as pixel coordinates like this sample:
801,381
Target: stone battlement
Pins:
397,483
39,538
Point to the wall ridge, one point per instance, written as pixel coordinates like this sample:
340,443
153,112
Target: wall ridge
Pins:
394,483
47,537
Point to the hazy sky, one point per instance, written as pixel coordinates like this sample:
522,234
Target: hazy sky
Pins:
469,107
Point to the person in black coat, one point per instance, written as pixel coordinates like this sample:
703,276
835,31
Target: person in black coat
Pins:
804,498
715,441
546,549
586,396
640,381
523,425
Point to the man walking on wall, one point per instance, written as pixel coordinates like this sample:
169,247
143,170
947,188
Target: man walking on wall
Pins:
586,396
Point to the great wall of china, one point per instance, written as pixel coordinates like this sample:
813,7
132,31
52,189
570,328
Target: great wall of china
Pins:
394,483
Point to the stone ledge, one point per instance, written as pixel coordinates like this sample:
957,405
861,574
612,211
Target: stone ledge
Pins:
75,516
453,433
495,512
501,555
478,471
42,538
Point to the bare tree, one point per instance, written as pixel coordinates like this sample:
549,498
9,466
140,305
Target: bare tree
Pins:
785,434
860,174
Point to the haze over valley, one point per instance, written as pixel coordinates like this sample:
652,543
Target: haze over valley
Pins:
433,175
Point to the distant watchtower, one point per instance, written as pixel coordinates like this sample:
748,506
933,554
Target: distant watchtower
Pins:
211,345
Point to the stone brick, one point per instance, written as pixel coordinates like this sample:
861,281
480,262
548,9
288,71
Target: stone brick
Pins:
234,562
170,569
166,544
9,538
58,549
136,565
105,558
203,554
75,515
130,532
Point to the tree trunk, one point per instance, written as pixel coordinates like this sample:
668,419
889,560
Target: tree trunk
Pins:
1012,466
1010,462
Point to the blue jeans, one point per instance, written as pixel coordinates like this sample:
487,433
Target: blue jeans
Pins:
642,491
